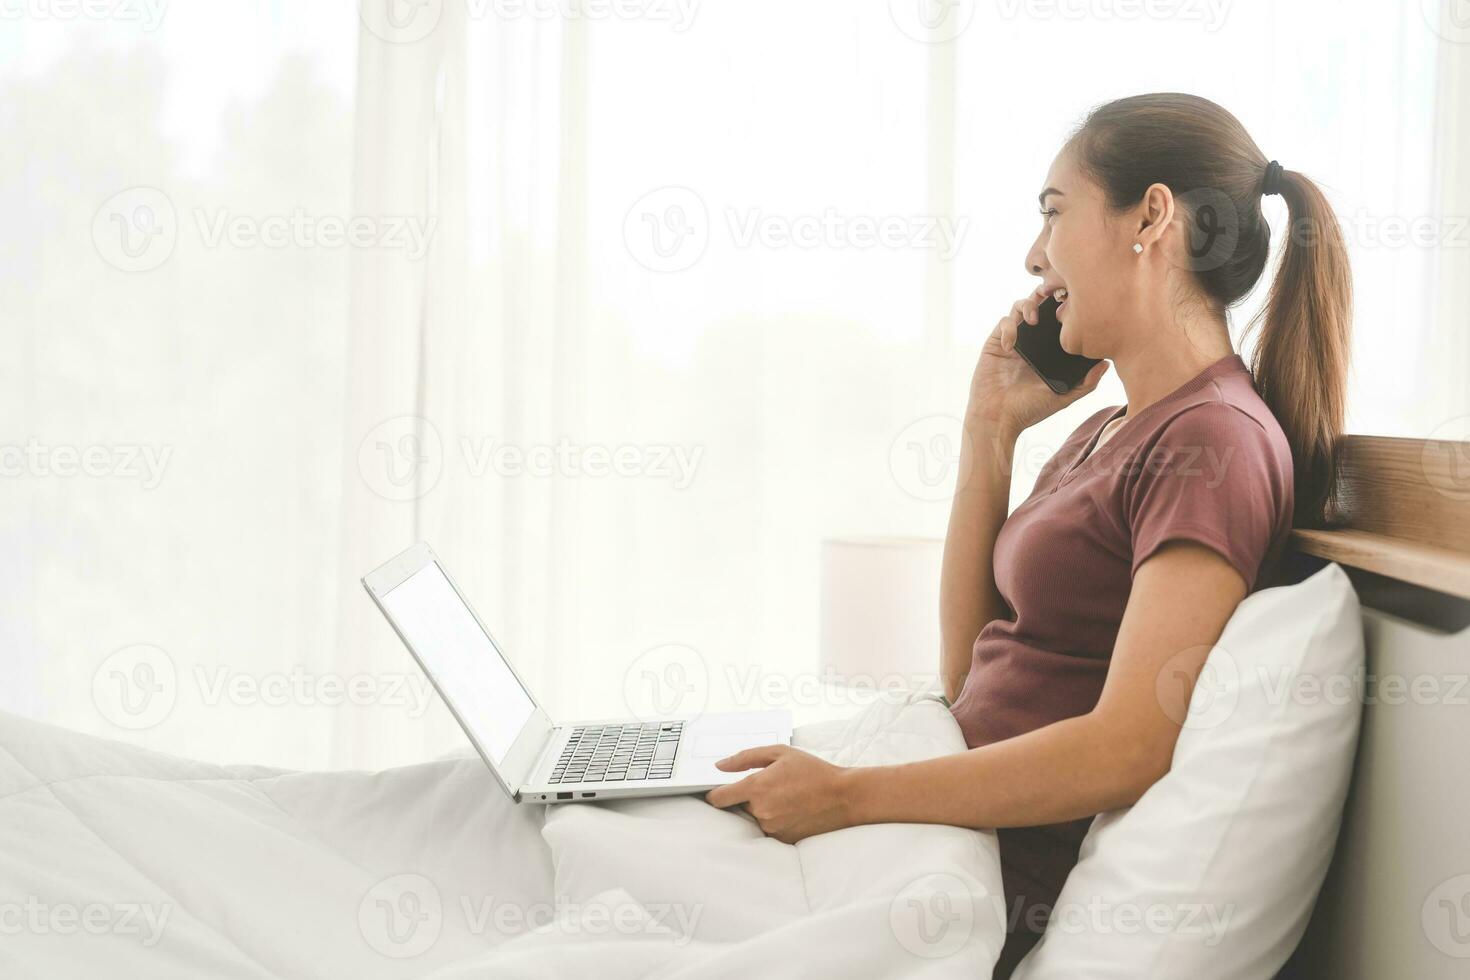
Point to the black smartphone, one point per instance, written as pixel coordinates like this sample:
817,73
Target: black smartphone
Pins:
1041,346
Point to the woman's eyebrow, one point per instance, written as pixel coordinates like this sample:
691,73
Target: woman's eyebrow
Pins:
1041,198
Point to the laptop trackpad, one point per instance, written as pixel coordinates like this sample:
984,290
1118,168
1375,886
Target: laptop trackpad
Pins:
717,745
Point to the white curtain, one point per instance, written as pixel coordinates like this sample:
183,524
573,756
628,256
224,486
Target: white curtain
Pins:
1444,409
671,239
654,299
471,348
173,305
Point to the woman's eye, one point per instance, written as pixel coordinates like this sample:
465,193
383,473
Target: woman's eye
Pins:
1048,212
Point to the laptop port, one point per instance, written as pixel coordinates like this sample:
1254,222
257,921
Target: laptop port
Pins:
563,796
588,796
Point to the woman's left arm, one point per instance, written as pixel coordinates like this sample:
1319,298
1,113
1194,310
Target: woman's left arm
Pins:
1181,598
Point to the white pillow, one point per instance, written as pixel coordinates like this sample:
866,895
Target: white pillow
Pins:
1214,872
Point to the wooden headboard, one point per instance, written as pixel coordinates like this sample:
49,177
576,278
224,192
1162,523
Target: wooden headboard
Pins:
1396,902
1405,506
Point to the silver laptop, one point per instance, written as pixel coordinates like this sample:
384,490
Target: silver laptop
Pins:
533,757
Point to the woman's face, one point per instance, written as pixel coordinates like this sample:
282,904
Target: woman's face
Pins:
1086,250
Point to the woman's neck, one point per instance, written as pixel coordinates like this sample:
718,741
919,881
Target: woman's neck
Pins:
1170,356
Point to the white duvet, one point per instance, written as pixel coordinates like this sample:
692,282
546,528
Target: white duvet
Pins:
117,862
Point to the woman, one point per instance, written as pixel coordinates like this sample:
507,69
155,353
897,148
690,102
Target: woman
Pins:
1074,629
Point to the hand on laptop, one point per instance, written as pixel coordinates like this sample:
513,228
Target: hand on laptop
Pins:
796,795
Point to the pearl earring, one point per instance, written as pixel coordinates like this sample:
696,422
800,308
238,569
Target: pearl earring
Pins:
1137,248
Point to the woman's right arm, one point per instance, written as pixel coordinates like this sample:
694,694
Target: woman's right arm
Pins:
1006,396
968,598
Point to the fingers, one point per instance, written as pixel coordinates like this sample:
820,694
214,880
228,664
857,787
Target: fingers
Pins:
1090,381
1005,330
1022,311
755,758
1095,376
739,792
1026,308
728,796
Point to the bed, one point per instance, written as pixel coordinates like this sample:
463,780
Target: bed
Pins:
120,862
1396,901
117,862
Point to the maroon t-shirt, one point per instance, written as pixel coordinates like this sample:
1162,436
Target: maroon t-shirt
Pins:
1206,463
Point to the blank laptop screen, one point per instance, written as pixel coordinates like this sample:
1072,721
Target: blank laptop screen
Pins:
460,658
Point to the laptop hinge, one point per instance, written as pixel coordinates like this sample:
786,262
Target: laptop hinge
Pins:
541,756
519,764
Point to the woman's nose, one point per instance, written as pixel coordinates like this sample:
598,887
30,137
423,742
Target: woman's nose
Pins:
1036,258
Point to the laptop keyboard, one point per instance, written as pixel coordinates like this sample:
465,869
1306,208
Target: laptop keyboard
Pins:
617,753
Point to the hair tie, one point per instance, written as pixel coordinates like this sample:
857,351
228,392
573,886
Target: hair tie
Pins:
1272,182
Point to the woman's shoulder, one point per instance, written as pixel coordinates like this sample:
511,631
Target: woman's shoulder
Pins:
1229,405
1217,470
1229,421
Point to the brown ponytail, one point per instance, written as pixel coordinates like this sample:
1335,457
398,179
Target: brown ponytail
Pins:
1301,360
1216,172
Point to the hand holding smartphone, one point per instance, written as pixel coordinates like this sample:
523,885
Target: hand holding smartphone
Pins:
1040,344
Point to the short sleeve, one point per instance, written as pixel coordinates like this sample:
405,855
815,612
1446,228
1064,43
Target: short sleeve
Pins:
1211,476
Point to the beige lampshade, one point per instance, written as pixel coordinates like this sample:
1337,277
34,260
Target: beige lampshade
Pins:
880,611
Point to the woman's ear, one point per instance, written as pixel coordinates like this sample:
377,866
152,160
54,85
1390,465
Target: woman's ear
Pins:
1156,214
